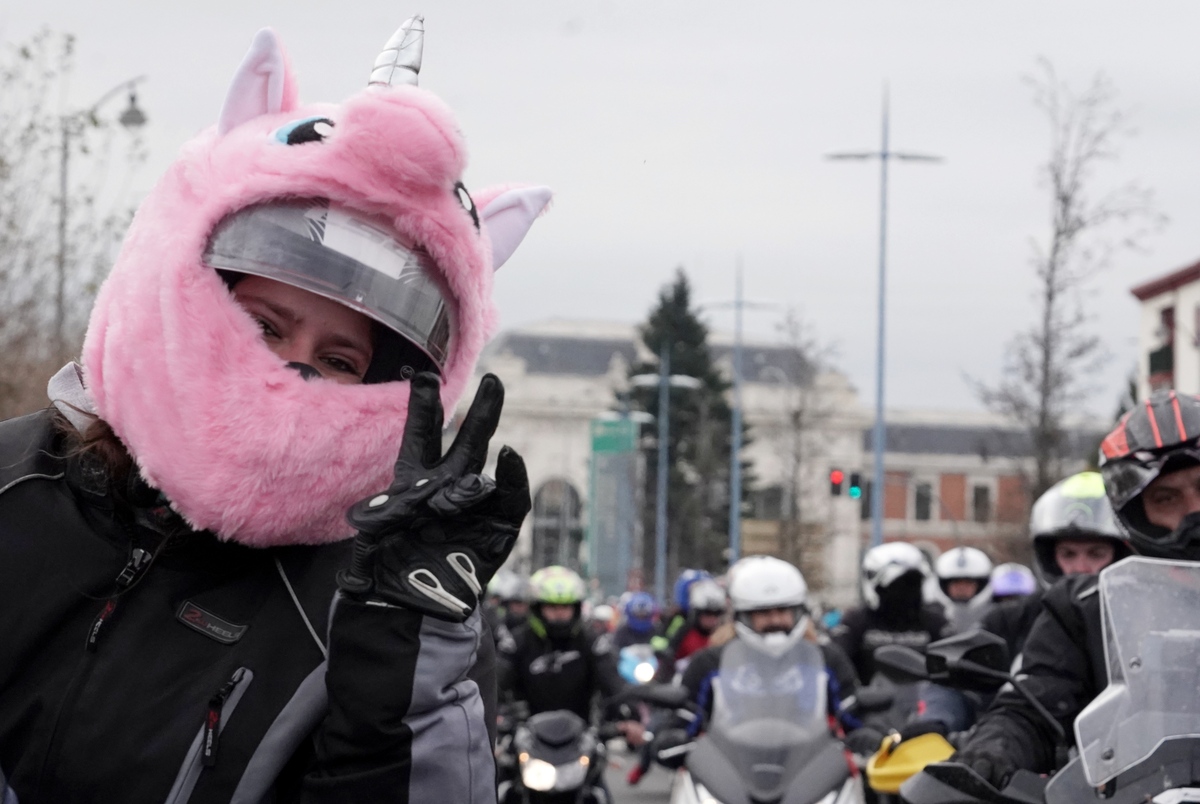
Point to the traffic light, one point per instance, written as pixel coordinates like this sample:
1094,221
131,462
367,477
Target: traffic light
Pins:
855,485
836,476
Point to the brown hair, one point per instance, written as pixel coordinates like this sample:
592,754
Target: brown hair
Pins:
96,441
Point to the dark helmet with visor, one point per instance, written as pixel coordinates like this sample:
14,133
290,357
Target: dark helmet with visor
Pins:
356,259
1156,438
1073,508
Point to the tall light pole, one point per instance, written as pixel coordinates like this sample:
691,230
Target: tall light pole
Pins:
665,380
69,124
735,429
884,156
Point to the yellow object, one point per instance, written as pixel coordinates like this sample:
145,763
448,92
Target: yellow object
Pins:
895,761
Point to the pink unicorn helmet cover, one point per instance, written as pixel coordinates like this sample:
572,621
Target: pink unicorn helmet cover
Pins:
360,202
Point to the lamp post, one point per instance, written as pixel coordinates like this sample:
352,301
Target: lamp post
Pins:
70,124
665,380
884,156
735,429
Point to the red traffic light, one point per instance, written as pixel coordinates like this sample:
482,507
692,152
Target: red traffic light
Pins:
836,476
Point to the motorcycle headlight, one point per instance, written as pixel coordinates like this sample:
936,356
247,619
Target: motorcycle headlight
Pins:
539,775
571,774
644,673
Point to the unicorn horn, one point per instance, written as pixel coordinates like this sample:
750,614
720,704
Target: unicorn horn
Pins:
400,60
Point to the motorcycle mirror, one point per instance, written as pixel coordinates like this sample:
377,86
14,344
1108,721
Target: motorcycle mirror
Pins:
976,660
901,664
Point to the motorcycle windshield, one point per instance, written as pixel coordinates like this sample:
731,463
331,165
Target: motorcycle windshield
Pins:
769,703
1150,609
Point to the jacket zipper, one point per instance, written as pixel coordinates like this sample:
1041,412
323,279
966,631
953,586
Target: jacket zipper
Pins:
212,721
134,569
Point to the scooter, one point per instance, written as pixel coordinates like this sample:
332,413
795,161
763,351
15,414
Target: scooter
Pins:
769,739
1139,740
558,759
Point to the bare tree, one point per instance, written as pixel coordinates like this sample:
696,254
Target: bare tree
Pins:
802,445
33,77
1049,367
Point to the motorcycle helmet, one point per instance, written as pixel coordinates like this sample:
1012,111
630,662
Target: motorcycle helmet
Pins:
886,564
705,597
360,202
1156,438
1076,507
641,611
679,594
504,586
759,583
558,586
1012,580
963,564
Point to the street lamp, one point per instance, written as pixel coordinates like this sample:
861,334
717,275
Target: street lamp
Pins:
884,156
71,124
665,380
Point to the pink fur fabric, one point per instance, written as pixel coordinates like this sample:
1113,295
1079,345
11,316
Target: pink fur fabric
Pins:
240,444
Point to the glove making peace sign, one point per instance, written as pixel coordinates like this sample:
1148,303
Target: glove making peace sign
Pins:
437,535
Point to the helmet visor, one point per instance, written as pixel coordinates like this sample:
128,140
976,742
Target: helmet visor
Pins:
1128,477
346,256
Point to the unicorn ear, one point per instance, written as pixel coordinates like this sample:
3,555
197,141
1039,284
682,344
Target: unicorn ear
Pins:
508,216
262,85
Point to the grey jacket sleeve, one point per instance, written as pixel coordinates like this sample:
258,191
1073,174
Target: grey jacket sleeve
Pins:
404,723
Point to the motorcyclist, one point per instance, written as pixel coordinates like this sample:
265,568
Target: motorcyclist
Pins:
554,662
893,612
639,621
1074,532
1012,580
964,575
675,618
706,609
769,600
1150,464
508,602
187,613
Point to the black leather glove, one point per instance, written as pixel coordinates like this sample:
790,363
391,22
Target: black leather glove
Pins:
437,535
994,766
920,727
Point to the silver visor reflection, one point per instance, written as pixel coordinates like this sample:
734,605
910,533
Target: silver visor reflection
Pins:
343,255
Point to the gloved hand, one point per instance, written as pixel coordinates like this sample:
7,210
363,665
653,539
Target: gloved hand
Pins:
993,766
437,535
919,727
863,741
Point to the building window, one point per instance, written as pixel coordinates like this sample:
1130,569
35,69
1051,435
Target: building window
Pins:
557,527
923,502
981,503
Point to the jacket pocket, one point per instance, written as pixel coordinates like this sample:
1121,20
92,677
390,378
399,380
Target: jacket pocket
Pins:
203,752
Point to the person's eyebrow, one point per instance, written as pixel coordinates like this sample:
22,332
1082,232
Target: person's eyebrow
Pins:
336,339
283,312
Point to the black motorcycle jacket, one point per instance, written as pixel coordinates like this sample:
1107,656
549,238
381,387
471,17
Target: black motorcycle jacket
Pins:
1013,619
551,674
145,662
862,630
1062,665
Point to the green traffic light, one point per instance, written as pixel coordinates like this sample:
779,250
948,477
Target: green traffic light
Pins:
855,492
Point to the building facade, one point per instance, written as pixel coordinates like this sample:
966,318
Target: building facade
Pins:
952,478
1169,332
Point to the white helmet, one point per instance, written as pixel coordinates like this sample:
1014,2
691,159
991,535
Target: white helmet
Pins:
964,563
763,582
706,595
886,563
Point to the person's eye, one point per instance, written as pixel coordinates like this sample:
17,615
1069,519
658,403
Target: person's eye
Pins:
343,365
268,329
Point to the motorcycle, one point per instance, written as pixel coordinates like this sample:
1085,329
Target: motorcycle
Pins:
769,739
1139,740
554,758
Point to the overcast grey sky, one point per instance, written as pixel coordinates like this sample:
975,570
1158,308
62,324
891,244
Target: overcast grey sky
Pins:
689,133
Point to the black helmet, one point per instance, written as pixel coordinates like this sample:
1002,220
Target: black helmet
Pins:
1156,438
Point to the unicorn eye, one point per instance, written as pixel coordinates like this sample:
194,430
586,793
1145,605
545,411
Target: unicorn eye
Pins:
464,198
310,129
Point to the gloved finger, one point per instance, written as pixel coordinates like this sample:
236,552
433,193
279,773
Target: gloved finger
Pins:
422,441
512,486
467,491
468,453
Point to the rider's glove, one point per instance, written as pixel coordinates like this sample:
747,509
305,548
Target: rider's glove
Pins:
437,535
920,727
994,766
